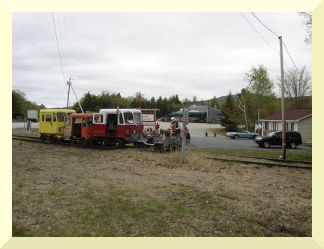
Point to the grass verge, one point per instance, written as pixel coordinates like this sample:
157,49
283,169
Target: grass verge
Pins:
298,156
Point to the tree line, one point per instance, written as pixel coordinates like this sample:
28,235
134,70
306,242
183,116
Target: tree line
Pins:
258,99
20,105
93,103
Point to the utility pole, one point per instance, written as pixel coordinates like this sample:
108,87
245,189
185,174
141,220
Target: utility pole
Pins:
185,120
283,118
69,83
68,96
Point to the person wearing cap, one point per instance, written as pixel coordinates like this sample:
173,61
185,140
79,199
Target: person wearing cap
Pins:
187,134
175,126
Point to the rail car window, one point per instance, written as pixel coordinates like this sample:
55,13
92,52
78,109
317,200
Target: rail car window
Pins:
60,116
54,117
138,118
77,120
121,120
48,118
68,122
89,121
98,118
43,117
128,116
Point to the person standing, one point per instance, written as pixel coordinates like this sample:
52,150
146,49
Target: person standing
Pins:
188,139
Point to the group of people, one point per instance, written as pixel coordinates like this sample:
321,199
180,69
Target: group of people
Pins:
176,130
175,127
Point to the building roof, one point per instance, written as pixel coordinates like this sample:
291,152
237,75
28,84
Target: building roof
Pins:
292,114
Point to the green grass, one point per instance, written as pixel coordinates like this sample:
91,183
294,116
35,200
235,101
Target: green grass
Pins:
298,156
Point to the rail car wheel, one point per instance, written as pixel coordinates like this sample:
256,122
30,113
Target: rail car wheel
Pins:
83,141
103,143
53,139
72,140
43,138
158,148
119,143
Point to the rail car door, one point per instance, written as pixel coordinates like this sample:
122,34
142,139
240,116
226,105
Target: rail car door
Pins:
48,126
76,127
67,128
87,132
112,124
129,125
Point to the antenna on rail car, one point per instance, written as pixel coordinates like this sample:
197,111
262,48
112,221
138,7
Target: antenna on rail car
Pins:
69,83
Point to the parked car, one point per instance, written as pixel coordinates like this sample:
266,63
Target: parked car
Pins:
242,134
293,139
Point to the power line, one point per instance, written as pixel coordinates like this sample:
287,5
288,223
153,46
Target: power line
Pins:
58,47
278,37
264,24
259,33
290,56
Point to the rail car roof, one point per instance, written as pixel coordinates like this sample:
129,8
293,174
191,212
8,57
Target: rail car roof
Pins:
79,115
56,110
120,110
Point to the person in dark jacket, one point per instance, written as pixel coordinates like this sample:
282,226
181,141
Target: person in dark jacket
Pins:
187,134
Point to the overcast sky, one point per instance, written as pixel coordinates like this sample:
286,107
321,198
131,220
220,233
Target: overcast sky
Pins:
158,54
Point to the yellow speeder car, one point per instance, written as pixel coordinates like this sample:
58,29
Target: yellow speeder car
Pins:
51,123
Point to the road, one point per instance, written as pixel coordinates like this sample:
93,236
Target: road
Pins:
199,140
16,125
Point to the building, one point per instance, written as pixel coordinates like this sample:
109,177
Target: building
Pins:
296,120
201,112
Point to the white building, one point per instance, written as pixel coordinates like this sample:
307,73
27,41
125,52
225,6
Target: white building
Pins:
296,120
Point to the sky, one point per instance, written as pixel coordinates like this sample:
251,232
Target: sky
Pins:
157,54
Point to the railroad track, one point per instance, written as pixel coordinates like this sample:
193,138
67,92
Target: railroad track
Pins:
275,159
268,162
61,143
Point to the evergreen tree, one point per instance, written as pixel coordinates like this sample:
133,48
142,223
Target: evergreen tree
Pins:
229,114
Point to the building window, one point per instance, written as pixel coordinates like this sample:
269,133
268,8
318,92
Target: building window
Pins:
292,127
266,125
274,126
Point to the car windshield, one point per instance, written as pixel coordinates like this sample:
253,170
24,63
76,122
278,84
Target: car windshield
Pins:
271,134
